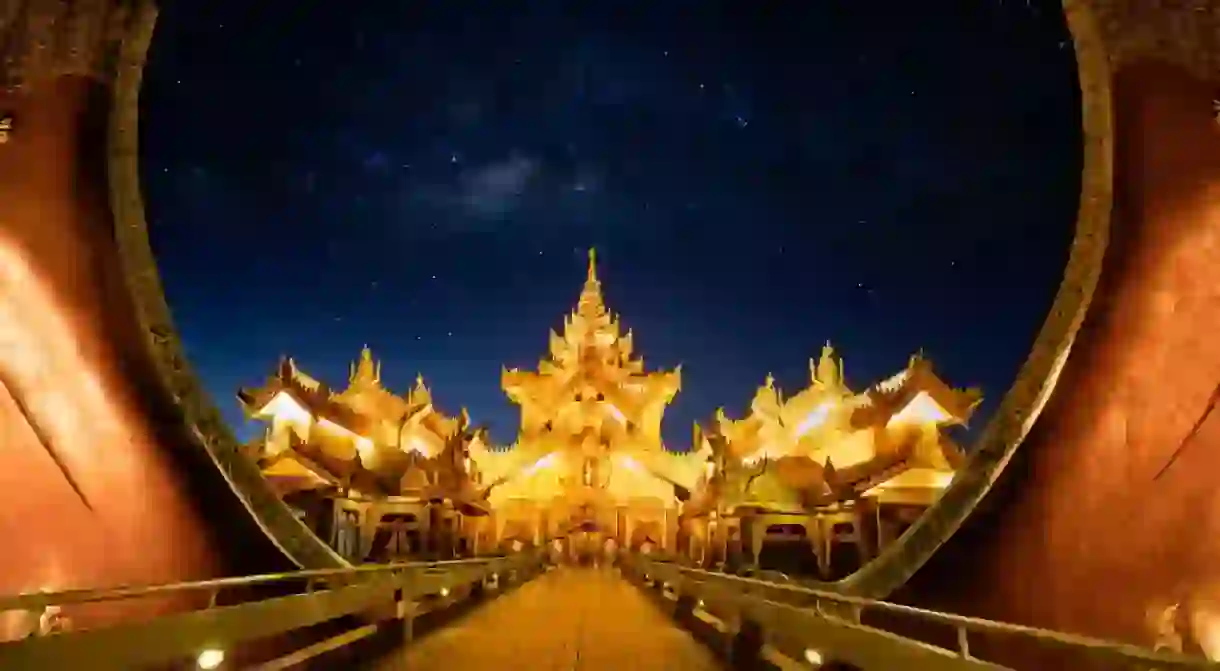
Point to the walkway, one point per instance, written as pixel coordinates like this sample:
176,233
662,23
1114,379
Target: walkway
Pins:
571,619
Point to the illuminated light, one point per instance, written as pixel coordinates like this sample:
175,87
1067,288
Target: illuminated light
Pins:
813,657
518,546
618,414
709,469
41,356
814,419
211,658
284,406
893,383
1205,625
418,445
544,462
631,463
921,410
364,447
700,605
444,592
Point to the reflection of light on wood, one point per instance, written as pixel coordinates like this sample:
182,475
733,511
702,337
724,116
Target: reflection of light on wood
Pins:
58,390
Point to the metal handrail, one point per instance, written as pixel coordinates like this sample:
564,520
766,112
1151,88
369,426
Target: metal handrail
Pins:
40,600
961,624
399,592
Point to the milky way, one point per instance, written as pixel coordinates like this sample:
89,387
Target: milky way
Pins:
757,180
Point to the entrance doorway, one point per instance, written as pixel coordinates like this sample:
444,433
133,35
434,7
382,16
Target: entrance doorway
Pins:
585,544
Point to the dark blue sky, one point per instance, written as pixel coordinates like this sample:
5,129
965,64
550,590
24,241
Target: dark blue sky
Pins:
757,177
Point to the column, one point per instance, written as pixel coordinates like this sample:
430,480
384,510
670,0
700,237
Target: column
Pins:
864,541
670,542
370,515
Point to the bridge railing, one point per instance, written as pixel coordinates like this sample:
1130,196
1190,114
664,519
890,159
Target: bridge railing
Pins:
798,627
204,636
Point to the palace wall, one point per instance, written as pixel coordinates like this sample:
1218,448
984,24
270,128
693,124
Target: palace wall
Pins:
137,505
1093,527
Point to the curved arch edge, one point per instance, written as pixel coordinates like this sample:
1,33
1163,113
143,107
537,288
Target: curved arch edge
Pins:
1020,408
211,434
1039,374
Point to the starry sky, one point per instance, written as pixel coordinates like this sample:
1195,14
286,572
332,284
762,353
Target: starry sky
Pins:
758,178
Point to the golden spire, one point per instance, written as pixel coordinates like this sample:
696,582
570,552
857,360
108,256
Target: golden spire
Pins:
591,303
829,371
365,370
420,393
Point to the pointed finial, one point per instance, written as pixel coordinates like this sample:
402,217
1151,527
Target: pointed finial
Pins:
770,381
365,371
419,380
592,274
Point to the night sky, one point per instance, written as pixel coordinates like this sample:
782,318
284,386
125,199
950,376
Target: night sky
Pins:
426,177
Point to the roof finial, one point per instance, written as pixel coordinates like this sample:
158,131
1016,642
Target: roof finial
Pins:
365,370
590,303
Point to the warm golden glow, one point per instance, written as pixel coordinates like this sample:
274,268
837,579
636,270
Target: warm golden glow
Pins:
210,659
284,406
616,413
814,419
42,361
545,462
419,446
921,410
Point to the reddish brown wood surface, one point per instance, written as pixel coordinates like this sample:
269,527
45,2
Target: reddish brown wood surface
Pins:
1098,521
97,488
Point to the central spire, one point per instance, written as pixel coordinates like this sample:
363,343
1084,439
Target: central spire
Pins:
591,295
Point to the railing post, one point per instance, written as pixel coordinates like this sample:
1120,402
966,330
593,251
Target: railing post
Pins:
745,646
963,642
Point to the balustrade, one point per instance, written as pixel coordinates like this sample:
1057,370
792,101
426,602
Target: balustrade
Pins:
763,624
202,637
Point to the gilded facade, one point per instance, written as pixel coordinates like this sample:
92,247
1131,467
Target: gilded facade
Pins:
827,467
588,468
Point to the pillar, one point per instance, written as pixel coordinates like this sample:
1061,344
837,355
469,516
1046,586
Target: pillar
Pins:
670,542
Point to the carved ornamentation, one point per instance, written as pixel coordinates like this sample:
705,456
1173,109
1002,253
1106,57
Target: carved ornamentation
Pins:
44,39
